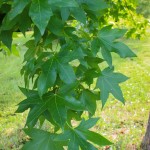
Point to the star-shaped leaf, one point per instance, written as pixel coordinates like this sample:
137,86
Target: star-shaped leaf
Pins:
78,137
108,37
40,12
58,106
108,82
41,140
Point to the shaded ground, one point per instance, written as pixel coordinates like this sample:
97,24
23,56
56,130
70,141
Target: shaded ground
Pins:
124,125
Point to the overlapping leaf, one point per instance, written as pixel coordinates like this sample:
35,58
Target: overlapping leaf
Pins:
42,140
40,12
48,76
89,100
17,8
58,106
66,72
64,3
94,5
78,136
108,37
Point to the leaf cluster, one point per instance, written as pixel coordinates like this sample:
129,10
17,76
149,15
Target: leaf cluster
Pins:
63,68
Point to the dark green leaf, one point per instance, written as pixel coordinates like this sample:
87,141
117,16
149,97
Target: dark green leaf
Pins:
74,104
110,35
95,46
107,56
79,14
64,3
40,12
66,73
47,78
93,61
35,112
56,26
6,37
68,88
58,110
17,8
108,82
89,100
95,5
37,35
87,124
96,138
41,140
65,12
24,21
123,50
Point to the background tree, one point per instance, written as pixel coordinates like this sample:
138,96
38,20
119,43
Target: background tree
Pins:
146,140
63,65
144,8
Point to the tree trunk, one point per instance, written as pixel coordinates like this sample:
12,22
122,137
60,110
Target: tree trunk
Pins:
145,145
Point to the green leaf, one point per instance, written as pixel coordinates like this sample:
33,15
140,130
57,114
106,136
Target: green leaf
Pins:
87,124
107,56
37,35
89,100
66,73
35,113
107,37
64,3
79,14
17,8
96,138
47,78
89,76
110,35
25,104
68,88
95,5
108,82
56,26
65,12
77,140
79,137
95,46
58,110
93,61
74,104
123,50
6,37
41,140
58,106
66,56
31,50
90,135
40,12
24,25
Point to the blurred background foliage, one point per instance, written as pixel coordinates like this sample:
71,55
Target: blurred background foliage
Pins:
144,8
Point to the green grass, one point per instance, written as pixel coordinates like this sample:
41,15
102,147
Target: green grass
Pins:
124,125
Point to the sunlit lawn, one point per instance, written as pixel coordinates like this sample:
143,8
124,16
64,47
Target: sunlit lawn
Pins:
124,125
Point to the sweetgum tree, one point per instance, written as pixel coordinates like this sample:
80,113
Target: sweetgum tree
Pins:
63,71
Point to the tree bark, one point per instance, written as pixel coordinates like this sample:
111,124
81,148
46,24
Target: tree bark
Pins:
145,145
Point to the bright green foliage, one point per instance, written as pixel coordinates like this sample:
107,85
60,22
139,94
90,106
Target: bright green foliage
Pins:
71,40
123,14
